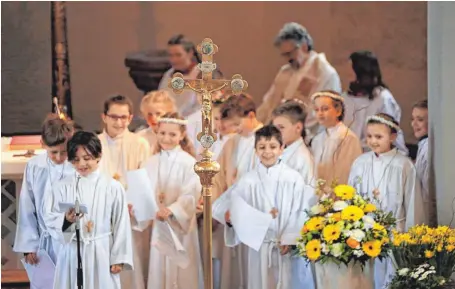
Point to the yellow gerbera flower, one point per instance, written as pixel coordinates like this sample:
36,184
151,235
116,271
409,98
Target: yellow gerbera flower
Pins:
344,192
369,208
352,213
426,239
372,248
331,233
450,248
313,249
315,224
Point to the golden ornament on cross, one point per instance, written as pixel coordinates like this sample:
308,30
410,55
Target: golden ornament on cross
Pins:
207,168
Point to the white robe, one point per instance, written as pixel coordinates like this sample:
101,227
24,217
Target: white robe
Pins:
172,173
334,151
358,108
265,188
399,193
298,157
127,152
108,243
150,136
31,232
186,102
314,75
423,174
193,128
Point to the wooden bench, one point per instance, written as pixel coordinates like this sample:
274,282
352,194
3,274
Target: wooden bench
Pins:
12,279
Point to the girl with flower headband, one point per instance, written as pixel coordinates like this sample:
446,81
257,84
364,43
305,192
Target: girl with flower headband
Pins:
153,106
336,147
390,178
369,95
177,189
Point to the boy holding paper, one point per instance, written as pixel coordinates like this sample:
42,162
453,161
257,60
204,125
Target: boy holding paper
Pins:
41,172
105,232
276,195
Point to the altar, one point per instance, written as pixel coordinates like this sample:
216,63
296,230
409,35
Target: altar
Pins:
13,166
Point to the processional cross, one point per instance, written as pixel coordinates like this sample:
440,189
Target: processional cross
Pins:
207,168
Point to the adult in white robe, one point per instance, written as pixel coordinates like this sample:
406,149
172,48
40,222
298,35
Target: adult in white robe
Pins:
395,176
31,232
105,243
334,151
172,174
186,102
128,151
359,108
423,174
193,128
306,73
298,157
277,187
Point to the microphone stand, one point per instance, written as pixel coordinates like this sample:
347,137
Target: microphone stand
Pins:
80,275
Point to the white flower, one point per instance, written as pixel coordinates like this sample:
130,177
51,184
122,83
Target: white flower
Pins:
357,224
424,276
358,253
337,249
358,235
316,209
339,205
325,249
403,271
368,222
432,268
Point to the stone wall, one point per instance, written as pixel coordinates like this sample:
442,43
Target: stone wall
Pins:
100,35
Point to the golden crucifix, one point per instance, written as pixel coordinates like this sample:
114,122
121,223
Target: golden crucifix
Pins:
207,168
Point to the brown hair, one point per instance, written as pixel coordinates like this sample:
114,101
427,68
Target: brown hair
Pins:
56,131
238,106
161,96
185,143
120,100
421,104
294,110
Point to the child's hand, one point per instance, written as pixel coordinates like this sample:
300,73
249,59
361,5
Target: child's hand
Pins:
163,214
227,217
284,249
117,268
130,210
71,215
200,207
31,258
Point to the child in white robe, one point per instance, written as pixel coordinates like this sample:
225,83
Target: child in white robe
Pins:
236,159
41,172
289,118
124,151
419,125
105,233
277,189
335,148
177,190
368,95
389,178
154,105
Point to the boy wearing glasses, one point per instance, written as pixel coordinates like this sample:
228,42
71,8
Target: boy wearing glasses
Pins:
125,151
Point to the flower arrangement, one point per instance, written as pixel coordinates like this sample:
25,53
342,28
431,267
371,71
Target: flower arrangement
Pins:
421,277
344,227
425,245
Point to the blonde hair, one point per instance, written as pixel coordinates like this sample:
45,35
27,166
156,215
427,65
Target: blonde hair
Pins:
161,96
185,143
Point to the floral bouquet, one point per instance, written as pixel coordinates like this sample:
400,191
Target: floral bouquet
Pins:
425,245
345,227
421,277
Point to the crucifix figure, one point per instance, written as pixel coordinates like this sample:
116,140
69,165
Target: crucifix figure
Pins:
207,168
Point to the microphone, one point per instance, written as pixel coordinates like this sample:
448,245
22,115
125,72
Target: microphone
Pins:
77,208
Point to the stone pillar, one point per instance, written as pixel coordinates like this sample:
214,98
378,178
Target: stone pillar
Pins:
441,98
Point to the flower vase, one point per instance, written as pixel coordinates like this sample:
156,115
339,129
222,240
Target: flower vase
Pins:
332,276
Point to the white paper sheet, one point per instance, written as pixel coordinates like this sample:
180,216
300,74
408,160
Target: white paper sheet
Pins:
249,224
168,243
41,275
65,207
141,194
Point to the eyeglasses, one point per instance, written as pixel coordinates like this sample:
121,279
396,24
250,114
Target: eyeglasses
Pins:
114,117
288,54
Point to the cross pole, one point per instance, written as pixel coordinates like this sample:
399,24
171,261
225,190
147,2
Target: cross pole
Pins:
207,168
